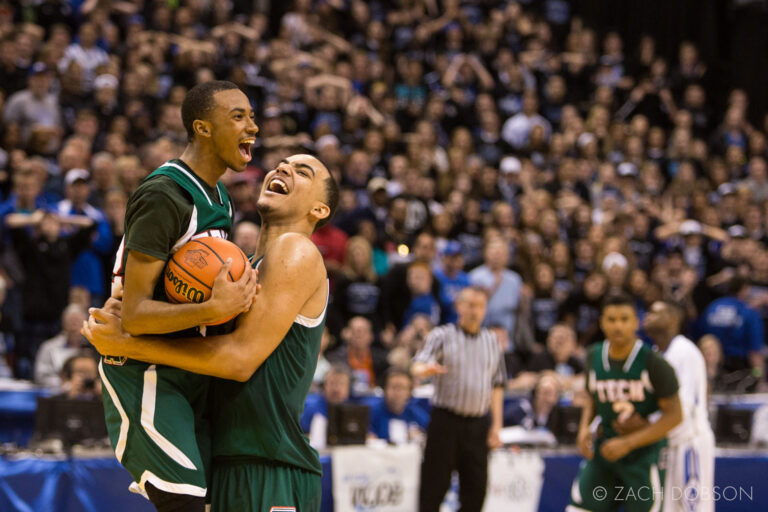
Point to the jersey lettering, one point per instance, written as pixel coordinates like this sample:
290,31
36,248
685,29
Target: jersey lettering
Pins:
619,390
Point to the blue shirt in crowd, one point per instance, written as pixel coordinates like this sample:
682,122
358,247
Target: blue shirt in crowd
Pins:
503,304
737,326
382,419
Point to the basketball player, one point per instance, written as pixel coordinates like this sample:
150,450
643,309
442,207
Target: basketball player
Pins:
691,451
624,376
155,413
262,460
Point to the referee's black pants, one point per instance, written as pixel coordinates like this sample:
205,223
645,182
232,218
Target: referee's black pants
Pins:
455,443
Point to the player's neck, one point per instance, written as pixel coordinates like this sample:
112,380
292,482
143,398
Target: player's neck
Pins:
619,352
663,340
205,164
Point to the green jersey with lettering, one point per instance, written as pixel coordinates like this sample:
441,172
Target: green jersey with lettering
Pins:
259,418
632,385
173,205
157,415
633,482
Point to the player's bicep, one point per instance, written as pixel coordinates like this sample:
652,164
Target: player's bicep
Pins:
289,277
662,376
670,405
142,272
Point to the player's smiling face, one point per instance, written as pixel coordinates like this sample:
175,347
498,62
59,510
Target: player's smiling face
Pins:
619,323
295,186
233,129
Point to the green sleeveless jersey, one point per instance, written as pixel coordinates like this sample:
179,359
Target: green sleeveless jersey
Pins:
170,207
259,419
636,382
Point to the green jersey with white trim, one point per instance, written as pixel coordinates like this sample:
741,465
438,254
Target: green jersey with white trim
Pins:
632,385
173,206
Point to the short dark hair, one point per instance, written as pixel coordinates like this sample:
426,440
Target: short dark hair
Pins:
677,311
618,299
198,102
394,371
331,199
83,353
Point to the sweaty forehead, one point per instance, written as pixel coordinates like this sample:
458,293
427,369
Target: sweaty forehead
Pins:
619,310
229,99
309,160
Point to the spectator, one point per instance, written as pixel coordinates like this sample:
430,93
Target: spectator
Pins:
55,351
452,277
80,377
48,257
713,358
395,295
357,291
246,237
367,363
336,388
560,357
36,105
739,329
536,411
420,280
503,285
466,417
87,270
395,418
86,54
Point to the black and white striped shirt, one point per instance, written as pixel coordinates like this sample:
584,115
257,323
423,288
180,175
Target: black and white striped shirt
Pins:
475,366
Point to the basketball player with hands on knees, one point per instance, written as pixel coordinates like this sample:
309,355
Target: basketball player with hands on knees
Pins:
624,377
156,414
261,459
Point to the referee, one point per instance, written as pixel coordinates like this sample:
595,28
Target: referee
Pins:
468,366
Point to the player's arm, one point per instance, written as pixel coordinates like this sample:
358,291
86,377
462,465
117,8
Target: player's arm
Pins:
291,273
584,435
664,382
143,315
155,216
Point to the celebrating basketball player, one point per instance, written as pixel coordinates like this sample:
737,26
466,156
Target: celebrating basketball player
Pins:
262,460
155,413
624,376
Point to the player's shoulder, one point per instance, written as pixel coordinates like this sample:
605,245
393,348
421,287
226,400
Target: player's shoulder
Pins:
158,185
298,250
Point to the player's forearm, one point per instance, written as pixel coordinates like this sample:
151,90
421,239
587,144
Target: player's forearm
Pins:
497,407
217,356
587,414
157,317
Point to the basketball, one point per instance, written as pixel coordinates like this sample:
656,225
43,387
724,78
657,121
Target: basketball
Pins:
190,272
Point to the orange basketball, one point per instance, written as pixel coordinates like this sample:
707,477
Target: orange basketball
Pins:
190,272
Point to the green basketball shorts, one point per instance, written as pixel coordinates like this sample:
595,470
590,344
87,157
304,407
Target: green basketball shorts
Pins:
157,423
259,486
633,482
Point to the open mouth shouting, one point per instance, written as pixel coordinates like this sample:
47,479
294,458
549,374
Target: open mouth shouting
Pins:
277,186
245,148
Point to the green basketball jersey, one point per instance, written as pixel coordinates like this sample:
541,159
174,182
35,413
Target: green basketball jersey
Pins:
639,380
194,211
259,418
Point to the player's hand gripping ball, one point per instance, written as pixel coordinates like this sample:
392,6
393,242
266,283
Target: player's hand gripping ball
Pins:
191,271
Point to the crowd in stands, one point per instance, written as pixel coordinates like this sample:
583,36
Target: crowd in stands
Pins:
501,144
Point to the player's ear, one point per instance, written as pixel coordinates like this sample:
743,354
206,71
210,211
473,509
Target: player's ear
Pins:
201,128
320,211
